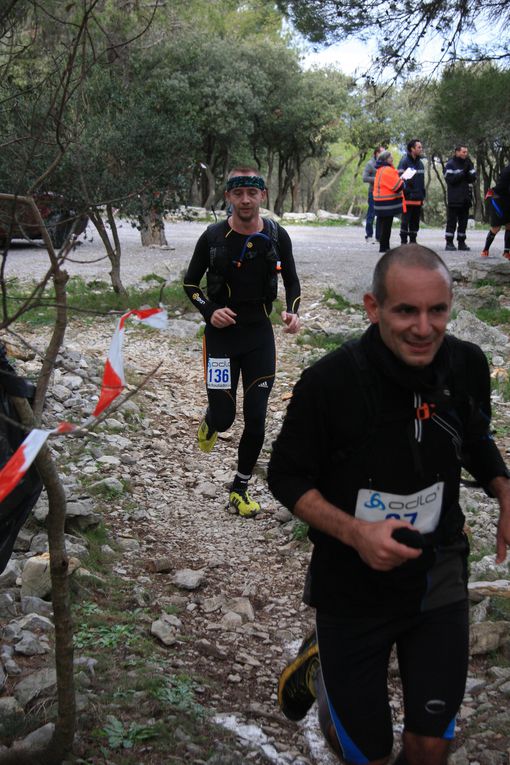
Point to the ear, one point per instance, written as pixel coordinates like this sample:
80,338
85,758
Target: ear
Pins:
371,307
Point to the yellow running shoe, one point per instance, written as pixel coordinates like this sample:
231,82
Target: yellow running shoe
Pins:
205,441
296,687
246,506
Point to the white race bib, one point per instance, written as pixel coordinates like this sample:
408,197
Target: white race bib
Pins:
421,509
218,373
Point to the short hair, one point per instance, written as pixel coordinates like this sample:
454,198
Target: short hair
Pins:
244,170
460,146
378,149
407,255
412,143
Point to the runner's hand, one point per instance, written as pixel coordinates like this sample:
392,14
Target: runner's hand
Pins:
292,322
223,317
377,548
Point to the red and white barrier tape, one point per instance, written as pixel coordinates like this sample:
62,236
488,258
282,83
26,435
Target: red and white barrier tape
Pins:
112,386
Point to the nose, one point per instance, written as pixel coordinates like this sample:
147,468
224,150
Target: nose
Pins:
423,326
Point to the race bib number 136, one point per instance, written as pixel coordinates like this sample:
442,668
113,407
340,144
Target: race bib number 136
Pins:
218,373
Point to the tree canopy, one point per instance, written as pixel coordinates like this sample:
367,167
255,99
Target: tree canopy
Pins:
403,29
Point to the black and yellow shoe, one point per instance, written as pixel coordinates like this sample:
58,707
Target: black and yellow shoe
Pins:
246,506
296,689
206,440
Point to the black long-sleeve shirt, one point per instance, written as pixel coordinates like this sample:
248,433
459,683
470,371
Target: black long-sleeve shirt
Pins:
459,175
244,286
348,433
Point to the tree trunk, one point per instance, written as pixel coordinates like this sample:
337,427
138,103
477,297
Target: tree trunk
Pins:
295,192
113,253
61,743
152,229
285,175
209,196
269,177
318,190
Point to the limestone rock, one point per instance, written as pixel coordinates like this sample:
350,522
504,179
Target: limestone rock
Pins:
42,682
487,636
35,579
11,715
164,631
189,579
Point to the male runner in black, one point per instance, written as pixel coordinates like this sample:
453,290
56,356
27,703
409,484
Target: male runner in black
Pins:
242,258
370,456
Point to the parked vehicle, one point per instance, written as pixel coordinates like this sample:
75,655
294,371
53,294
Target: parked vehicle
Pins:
19,221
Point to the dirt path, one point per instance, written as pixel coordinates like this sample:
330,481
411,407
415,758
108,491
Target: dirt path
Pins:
178,496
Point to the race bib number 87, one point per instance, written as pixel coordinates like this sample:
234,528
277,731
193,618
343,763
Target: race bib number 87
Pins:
421,509
218,374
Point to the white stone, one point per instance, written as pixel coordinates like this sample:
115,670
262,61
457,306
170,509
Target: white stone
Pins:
35,578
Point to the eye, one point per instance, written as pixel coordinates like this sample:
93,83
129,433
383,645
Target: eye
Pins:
406,310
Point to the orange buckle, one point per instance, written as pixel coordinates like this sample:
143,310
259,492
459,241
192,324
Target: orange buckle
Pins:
424,412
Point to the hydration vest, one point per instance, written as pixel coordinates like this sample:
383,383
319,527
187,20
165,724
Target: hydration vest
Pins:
221,262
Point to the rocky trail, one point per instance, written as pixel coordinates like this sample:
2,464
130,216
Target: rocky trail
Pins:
219,596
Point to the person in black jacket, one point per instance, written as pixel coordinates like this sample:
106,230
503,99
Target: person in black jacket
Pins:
370,456
242,258
414,191
499,202
459,174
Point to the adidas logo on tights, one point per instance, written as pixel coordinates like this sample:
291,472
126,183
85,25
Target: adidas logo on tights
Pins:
262,384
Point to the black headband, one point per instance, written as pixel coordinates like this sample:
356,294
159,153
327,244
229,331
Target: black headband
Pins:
254,181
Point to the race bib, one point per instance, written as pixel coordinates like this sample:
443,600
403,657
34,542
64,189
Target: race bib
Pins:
421,509
218,373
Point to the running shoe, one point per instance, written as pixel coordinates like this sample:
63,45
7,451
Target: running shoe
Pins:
485,253
296,689
463,246
506,254
451,247
246,506
206,440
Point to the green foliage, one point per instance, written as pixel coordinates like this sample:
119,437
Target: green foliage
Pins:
178,692
497,316
325,342
106,636
300,531
95,297
334,300
424,21
125,737
501,386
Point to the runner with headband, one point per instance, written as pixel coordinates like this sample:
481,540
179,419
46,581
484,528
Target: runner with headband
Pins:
241,258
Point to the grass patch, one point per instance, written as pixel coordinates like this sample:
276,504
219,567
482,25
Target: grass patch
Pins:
105,636
499,609
96,297
178,692
96,538
501,386
122,736
325,342
300,531
486,283
496,316
275,316
336,301
477,555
